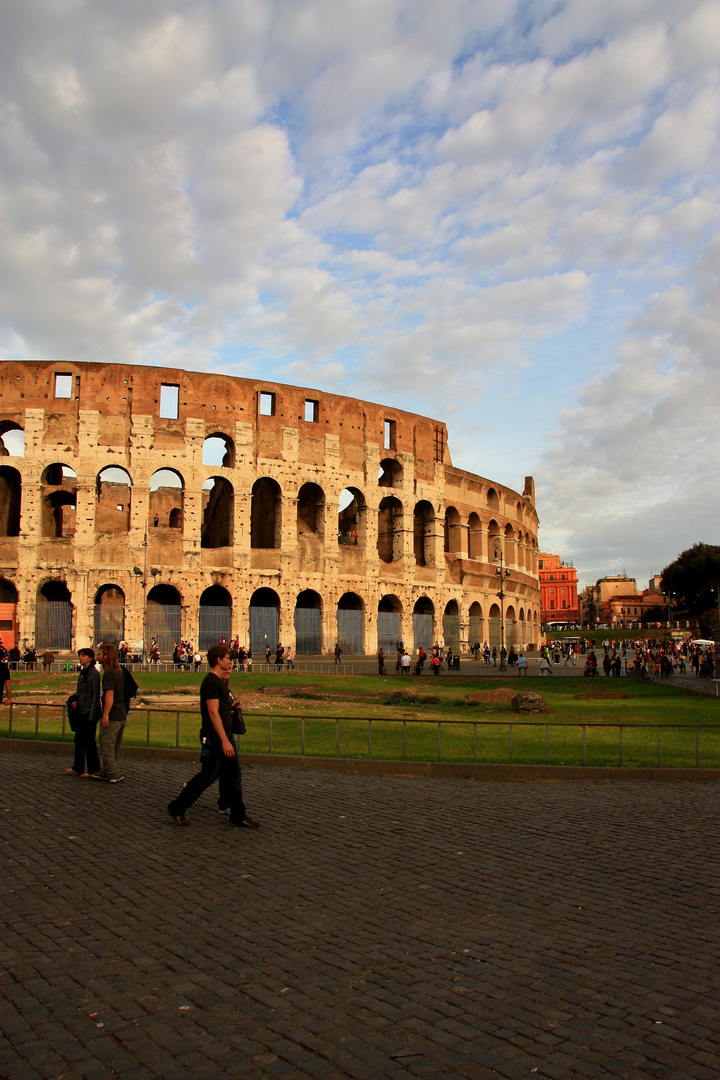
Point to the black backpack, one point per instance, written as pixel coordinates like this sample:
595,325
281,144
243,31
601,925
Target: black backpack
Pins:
130,687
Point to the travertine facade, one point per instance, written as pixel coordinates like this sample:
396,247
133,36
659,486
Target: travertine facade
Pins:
254,544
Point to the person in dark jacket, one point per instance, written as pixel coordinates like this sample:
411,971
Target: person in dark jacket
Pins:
86,713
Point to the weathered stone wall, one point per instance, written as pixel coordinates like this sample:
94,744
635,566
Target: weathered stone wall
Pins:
424,530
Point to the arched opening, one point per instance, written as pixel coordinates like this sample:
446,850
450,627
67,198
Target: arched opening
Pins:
109,622
58,485
509,628
8,613
474,537
494,540
522,630
266,515
452,531
423,518
509,545
423,624
451,626
307,620
351,624
53,617
311,512
218,501
166,499
219,449
162,620
389,624
113,495
492,499
495,627
10,499
12,440
351,518
391,473
475,625
389,541
215,617
264,621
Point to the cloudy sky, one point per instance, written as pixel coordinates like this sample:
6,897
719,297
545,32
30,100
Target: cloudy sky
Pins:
499,213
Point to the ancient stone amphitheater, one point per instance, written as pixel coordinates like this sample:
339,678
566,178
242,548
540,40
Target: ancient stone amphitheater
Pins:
140,502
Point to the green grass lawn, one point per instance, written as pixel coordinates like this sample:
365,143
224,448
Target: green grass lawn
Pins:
470,730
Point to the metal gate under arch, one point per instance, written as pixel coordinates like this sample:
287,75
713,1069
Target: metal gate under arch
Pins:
423,632
214,623
451,632
389,630
109,623
350,632
53,625
308,631
163,624
264,630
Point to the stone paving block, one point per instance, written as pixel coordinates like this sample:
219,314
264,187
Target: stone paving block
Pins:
555,941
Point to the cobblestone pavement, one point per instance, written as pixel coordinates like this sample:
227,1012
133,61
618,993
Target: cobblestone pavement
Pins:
374,927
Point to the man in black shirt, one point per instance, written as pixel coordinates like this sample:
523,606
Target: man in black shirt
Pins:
220,759
5,682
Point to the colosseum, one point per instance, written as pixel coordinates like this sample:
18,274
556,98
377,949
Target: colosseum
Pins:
142,503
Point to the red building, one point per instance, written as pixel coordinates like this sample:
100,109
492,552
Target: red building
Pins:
558,588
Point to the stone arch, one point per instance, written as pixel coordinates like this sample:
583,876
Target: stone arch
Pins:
109,615
352,515
266,515
12,440
475,623
494,627
423,623
389,540
8,613
451,626
218,503
509,627
219,449
423,519
162,619
10,501
53,617
474,537
351,624
264,621
453,527
522,630
215,617
493,499
391,473
307,620
167,491
493,539
113,495
509,536
311,511
58,485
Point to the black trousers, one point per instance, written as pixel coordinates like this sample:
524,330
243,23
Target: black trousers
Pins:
85,747
215,766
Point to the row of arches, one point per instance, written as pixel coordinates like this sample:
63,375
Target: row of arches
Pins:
352,623
59,484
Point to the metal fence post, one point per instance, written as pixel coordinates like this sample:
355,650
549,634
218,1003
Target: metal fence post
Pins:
177,730
547,744
439,739
37,722
510,728
474,743
10,718
658,746
302,736
369,740
404,737
270,735
147,737
584,746
337,737
697,747
621,744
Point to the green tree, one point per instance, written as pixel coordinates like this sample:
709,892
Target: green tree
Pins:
656,613
688,577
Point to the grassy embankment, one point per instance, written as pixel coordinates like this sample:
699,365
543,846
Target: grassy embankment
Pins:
472,710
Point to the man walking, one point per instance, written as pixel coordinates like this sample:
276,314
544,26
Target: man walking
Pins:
220,760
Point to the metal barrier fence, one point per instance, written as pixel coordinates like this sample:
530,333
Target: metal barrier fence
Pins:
26,716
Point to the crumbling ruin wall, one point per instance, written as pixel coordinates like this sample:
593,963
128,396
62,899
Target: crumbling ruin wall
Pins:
418,537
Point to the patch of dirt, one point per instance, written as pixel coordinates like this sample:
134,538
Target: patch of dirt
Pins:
599,695
503,693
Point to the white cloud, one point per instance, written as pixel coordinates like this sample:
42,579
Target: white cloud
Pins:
460,208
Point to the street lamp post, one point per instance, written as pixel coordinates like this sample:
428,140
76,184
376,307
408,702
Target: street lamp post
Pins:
498,555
